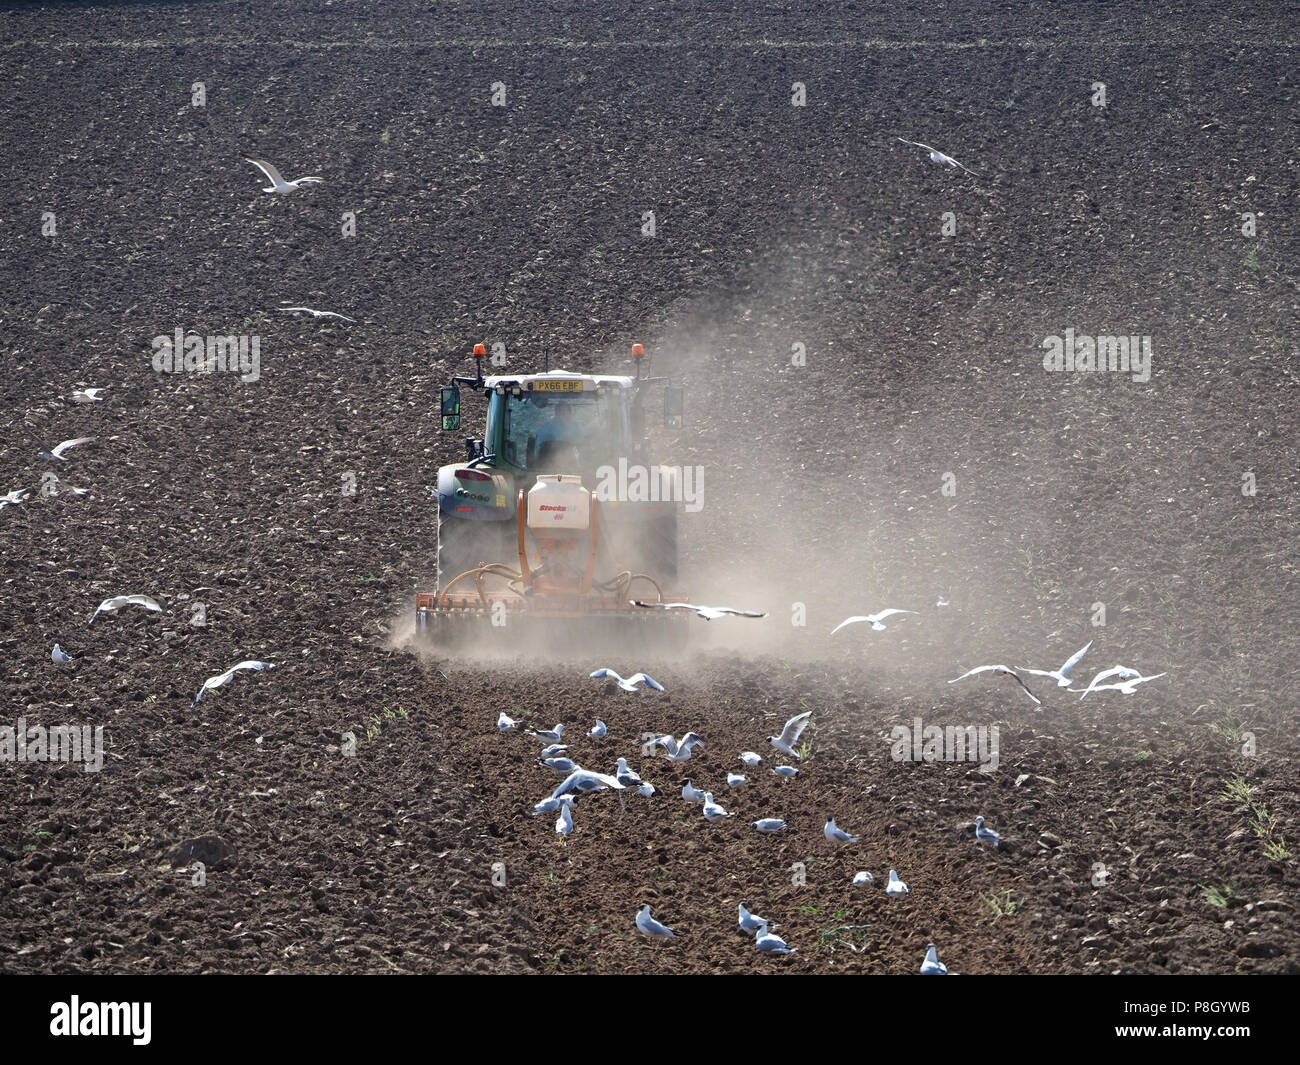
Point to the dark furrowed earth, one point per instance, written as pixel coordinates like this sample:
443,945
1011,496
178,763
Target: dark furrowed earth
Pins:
921,452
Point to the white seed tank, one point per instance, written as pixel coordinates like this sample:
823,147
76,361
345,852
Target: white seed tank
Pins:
558,502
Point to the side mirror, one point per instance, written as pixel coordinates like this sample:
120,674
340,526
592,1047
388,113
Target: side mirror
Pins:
450,401
674,400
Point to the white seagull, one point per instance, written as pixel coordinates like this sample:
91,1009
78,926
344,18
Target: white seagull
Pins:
895,886
735,780
627,777
564,823
56,452
1128,686
939,157
598,731
554,735
585,780
1006,671
875,619
787,771
769,825
769,943
691,793
932,966
505,722
790,734
835,834
1062,675
680,750
708,613
646,790
751,759
863,878
550,805
553,750
985,835
712,811
18,495
221,678
315,313
59,656
648,926
87,395
750,922
112,606
629,685
278,184
560,765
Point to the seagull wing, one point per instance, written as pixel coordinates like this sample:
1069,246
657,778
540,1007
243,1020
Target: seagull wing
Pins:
848,621
738,613
917,144
980,669
1073,660
650,682
603,672
794,728
141,600
1016,677
266,168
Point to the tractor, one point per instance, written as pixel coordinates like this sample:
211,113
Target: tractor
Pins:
529,534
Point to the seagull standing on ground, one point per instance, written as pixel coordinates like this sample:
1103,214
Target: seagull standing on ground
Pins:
769,825
939,157
750,922
648,926
790,734
863,878
712,811
1005,671
835,834
554,735
598,731
985,835
278,184
505,722
875,619
932,966
1062,675
59,656
56,452
564,823
750,759
769,943
895,886
691,793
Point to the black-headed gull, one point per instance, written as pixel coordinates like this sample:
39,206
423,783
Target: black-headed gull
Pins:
87,395
112,606
315,313
751,759
790,734
932,966
835,834
1127,686
646,790
875,619
985,835
56,452
712,811
895,886
770,943
750,922
1005,671
938,156
1062,675
278,184
632,682
213,683
648,926
708,613
585,780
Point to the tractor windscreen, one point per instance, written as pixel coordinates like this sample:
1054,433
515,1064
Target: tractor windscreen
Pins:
544,431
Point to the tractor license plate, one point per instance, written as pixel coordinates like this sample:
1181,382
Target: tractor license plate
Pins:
557,386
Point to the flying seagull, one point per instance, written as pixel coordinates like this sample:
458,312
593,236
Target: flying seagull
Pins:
56,452
629,685
985,835
278,184
648,926
932,966
1062,675
221,678
18,495
315,313
790,734
87,395
835,834
1128,686
708,613
937,156
1115,671
1006,671
680,751
112,606
875,619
